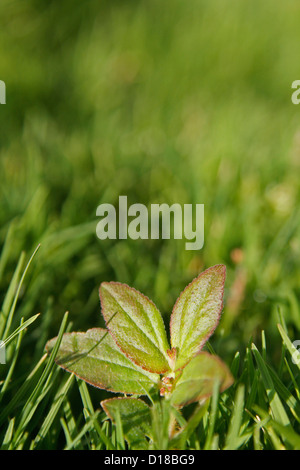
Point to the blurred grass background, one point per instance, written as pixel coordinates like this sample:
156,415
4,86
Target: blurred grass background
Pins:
162,101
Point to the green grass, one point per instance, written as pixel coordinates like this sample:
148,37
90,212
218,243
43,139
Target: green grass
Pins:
48,408
175,102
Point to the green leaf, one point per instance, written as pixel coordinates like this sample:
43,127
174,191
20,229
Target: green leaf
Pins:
198,379
196,313
94,357
135,416
136,326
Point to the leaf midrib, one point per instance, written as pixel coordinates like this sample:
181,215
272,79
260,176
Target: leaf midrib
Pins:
141,330
183,338
108,362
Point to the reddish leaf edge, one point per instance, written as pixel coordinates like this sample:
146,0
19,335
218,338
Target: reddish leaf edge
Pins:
115,339
98,385
222,268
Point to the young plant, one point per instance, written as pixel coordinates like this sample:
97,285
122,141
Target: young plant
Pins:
133,357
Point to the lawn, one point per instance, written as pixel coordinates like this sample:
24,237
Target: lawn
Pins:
163,102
